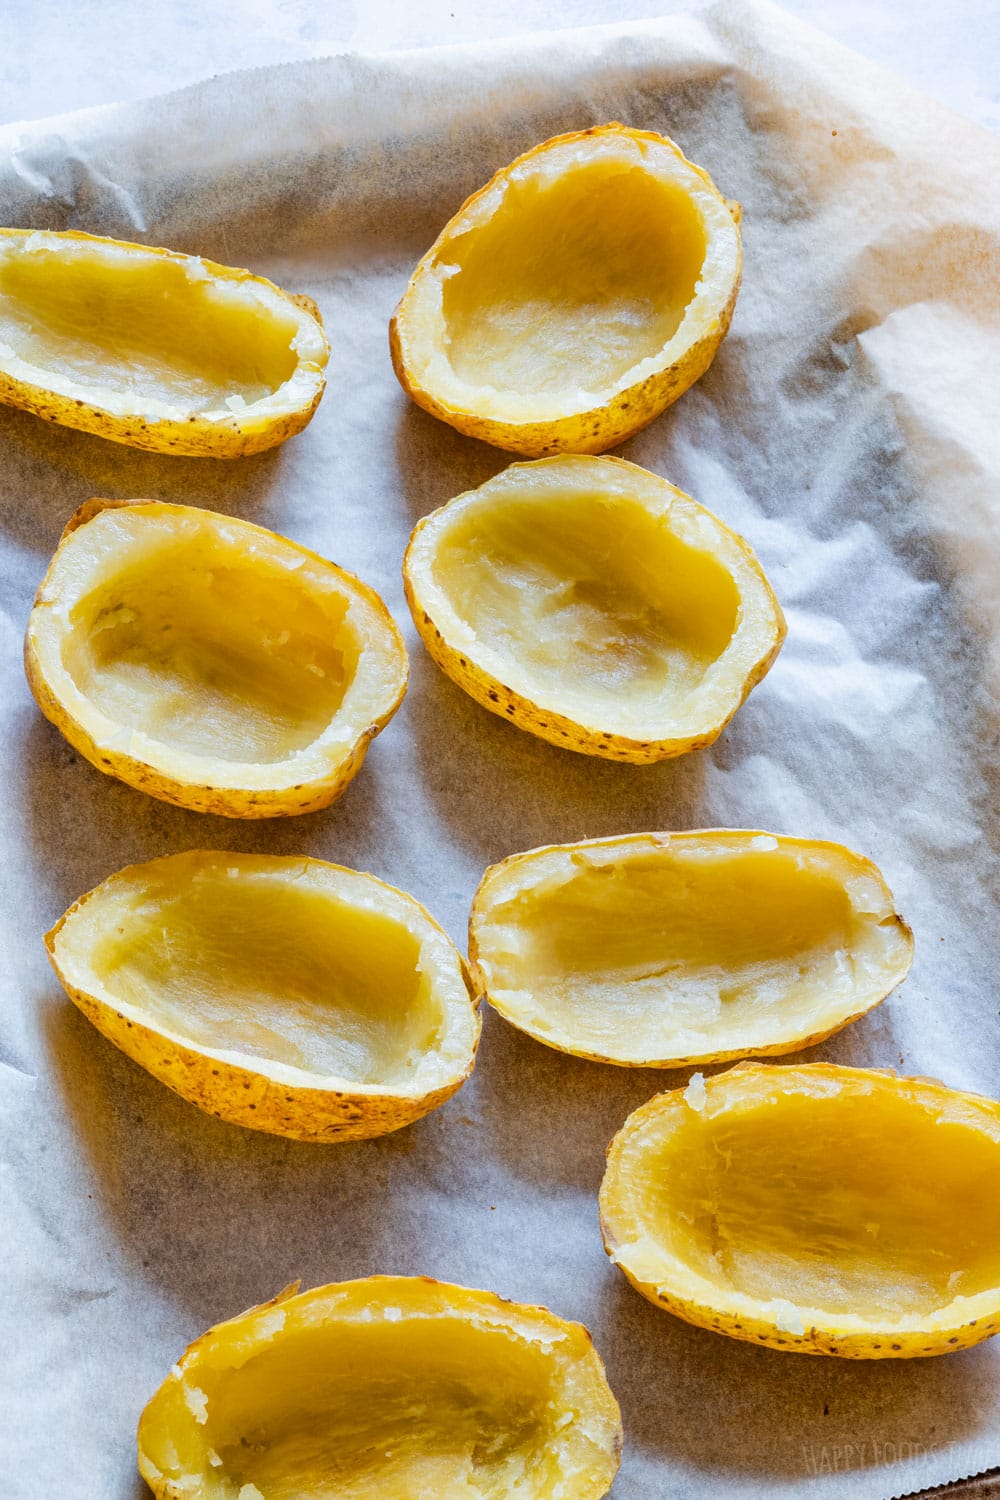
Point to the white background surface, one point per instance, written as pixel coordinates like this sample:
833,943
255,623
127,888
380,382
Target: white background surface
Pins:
58,55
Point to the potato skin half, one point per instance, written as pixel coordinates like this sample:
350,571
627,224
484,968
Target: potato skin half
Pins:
240,1096
600,427
887,1344
225,802
777,1049
192,438
495,696
231,1343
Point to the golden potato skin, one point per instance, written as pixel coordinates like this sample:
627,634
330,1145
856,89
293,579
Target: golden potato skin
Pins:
601,427
776,1049
191,438
492,694
241,1096
891,1344
225,802
410,1295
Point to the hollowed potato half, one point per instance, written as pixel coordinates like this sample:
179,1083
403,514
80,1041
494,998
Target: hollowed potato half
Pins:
394,1387
209,662
152,348
285,994
595,605
817,1209
574,297
665,949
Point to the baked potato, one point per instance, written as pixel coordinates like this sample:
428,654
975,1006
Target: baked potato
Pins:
390,1388
574,297
595,605
153,348
281,993
667,949
813,1209
209,662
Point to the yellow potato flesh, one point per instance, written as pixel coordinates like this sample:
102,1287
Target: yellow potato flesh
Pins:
145,327
270,968
602,608
386,1410
581,277
205,653
393,1388
858,1205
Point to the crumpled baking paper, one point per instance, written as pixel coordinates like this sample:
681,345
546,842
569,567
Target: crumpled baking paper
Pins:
847,427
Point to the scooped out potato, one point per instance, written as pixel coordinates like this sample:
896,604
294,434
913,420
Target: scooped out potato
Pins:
814,1209
152,348
666,949
391,1388
571,299
285,994
209,662
591,603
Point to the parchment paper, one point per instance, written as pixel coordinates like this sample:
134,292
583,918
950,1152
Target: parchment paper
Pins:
847,428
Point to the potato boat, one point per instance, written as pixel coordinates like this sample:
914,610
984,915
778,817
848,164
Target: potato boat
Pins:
666,949
394,1387
594,605
574,297
815,1209
152,348
209,662
284,994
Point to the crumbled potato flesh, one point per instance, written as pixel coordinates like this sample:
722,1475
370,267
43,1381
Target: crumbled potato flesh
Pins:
387,1409
629,953
600,605
146,325
864,1205
268,968
575,280
213,656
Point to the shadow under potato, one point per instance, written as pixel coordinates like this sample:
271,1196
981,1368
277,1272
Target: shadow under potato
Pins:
744,1410
219,1217
84,825
49,471
502,790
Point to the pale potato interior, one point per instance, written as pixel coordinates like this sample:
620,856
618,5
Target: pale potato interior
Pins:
143,325
597,605
577,278
638,956
857,1205
393,1410
213,654
274,969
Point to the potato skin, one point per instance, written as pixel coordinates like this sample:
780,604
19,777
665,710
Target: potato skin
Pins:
556,729
193,437
600,427
226,802
883,1344
777,1049
421,1296
241,1096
